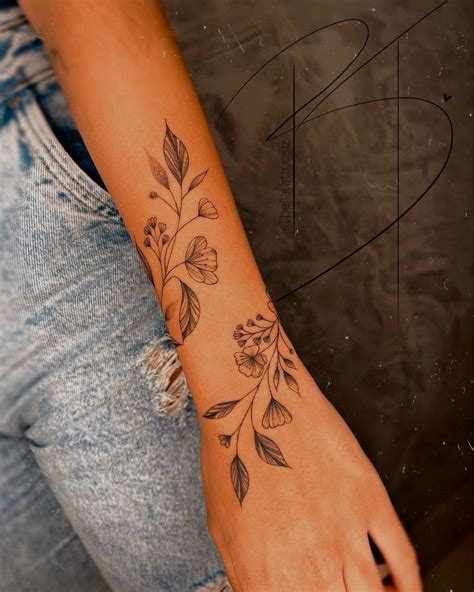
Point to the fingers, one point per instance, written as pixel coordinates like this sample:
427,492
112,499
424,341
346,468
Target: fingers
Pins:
392,540
361,573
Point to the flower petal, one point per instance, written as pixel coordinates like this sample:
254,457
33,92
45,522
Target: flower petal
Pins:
194,272
256,370
286,414
275,414
205,259
197,244
206,209
251,350
209,277
266,415
241,357
246,368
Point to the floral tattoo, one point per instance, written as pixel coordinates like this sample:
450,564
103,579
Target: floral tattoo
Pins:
265,356
179,301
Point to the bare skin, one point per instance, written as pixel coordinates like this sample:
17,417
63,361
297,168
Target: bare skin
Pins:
297,515
309,530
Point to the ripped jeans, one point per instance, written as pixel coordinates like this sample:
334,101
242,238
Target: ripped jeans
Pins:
99,442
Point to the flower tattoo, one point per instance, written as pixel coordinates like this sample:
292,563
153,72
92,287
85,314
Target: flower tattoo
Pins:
201,261
275,414
250,362
180,303
266,356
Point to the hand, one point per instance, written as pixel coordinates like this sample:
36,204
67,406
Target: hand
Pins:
303,528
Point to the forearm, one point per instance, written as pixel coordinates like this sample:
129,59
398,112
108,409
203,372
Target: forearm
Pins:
125,81
306,527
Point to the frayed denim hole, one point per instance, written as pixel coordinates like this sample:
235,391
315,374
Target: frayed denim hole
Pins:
160,365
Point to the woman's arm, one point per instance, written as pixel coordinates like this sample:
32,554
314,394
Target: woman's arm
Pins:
291,497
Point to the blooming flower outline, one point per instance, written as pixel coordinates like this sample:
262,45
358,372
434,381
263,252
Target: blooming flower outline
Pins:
275,415
206,209
201,261
250,361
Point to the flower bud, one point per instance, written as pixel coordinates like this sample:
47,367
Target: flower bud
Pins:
206,209
225,439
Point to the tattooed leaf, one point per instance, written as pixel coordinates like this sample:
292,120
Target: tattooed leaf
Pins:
145,264
291,382
276,377
158,172
269,451
176,155
240,478
170,310
220,410
289,362
172,296
197,181
189,311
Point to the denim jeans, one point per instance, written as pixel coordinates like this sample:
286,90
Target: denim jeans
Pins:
99,442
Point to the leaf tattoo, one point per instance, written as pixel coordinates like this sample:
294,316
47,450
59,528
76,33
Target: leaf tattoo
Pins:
220,410
269,451
176,155
189,311
158,171
276,378
291,382
197,180
161,238
264,356
240,478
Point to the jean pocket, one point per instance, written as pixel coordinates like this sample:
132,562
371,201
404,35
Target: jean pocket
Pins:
44,144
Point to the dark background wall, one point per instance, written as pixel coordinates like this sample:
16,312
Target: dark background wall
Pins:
386,332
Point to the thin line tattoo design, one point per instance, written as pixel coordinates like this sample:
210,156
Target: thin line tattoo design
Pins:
266,356
179,301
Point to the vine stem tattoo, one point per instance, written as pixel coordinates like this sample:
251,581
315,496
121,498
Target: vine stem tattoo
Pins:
180,303
265,356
